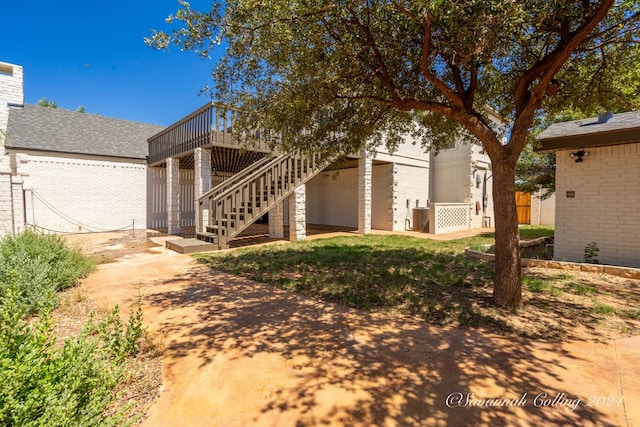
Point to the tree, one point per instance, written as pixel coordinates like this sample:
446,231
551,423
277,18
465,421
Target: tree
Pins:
335,76
536,172
44,102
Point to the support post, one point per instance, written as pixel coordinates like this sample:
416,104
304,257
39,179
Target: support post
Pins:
173,195
276,221
202,176
365,170
298,214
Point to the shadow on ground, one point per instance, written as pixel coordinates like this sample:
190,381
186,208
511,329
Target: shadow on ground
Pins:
272,357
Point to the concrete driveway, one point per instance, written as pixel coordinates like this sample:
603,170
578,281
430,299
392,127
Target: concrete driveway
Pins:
241,353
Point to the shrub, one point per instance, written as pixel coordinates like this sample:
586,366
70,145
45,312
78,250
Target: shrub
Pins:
39,265
120,342
46,386
591,253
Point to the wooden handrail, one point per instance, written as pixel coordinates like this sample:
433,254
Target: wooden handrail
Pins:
210,125
240,205
224,185
253,175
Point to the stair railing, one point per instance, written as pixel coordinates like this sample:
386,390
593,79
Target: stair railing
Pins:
204,203
241,204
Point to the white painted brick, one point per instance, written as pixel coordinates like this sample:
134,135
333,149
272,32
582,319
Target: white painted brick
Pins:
605,206
173,196
365,175
412,184
276,221
85,194
11,91
297,214
332,198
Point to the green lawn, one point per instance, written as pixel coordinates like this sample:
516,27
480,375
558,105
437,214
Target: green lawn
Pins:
428,279
383,273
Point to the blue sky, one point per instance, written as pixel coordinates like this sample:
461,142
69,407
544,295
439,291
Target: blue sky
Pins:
92,53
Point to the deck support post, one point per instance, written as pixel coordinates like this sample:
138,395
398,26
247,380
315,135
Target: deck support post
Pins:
202,176
173,195
365,172
276,221
298,214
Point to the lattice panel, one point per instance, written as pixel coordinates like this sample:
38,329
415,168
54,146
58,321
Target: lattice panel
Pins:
452,218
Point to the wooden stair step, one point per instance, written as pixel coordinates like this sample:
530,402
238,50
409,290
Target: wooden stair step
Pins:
214,228
207,236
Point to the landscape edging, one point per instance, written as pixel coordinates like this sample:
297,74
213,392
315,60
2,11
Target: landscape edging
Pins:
626,272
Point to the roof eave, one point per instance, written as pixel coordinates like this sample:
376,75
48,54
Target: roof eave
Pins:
622,136
10,148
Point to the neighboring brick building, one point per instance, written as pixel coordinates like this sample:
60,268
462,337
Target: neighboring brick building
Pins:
597,187
68,171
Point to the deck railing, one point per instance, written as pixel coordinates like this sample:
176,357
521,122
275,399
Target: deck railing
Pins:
211,125
204,203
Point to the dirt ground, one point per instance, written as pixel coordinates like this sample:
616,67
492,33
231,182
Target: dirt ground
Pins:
143,374
237,352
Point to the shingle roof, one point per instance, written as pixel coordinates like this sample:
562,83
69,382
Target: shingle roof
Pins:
622,128
53,129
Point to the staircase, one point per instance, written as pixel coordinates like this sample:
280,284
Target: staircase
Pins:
229,208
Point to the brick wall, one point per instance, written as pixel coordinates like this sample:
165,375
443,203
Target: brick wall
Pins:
411,184
382,197
543,212
455,180
6,211
11,92
452,175
83,193
605,205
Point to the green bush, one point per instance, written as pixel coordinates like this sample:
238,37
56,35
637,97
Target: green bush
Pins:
591,253
40,265
43,385
120,342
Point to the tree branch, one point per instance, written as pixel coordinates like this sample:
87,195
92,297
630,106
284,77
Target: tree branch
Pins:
382,73
427,74
473,86
378,99
287,19
404,10
471,120
617,26
527,100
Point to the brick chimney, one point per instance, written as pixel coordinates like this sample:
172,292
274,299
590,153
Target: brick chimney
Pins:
11,91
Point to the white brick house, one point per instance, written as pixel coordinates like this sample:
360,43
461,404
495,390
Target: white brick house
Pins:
73,172
462,175
597,187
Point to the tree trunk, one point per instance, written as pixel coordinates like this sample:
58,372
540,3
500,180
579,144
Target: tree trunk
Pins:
507,290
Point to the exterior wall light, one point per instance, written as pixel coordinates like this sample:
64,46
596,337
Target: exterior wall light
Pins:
578,155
